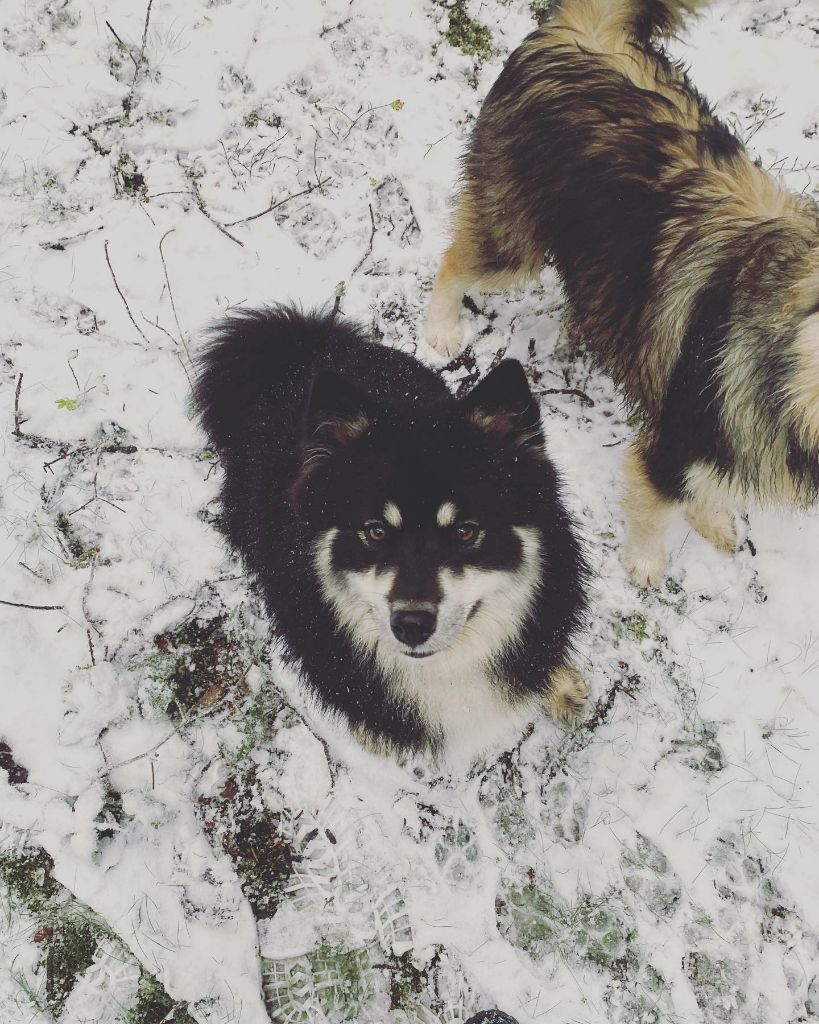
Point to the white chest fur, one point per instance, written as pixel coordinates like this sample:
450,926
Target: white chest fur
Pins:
465,702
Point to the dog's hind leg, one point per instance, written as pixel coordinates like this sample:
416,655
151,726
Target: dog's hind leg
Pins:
647,513
466,263
710,507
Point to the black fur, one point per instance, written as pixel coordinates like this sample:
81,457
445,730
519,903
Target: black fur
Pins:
316,428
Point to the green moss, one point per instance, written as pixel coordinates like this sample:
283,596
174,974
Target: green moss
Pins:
716,989
30,882
341,978
542,9
700,750
514,824
256,723
154,1006
69,953
635,626
468,35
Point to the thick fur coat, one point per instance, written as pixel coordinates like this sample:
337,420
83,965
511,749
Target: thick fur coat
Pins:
413,549
691,274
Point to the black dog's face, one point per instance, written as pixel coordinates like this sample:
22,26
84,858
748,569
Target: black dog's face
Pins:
425,542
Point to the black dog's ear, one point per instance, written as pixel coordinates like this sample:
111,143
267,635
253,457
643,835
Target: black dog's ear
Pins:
503,405
337,414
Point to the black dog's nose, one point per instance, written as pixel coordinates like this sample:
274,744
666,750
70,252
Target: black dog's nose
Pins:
413,626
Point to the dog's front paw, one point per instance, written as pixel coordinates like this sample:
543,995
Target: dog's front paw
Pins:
445,335
647,568
567,696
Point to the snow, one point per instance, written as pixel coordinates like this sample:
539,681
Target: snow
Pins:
683,813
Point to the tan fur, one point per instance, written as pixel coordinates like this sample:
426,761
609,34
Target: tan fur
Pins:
567,696
711,507
647,514
690,272
461,270
804,384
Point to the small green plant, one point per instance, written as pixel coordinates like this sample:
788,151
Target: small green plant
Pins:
68,933
154,1006
28,877
468,35
634,626
66,403
70,949
700,749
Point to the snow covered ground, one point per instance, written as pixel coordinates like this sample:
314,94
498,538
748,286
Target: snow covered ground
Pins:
182,837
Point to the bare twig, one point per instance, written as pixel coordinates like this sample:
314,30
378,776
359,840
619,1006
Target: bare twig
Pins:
35,607
98,148
274,206
369,249
71,368
200,202
60,457
91,647
575,392
145,31
18,416
139,64
170,291
122,296
60,244
433,144
127,49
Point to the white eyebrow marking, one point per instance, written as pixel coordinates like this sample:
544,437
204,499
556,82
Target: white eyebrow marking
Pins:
392,514
447,514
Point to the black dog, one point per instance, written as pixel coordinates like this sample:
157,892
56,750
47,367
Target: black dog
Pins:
413,548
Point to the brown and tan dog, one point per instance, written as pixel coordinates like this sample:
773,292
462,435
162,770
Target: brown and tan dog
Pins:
689,271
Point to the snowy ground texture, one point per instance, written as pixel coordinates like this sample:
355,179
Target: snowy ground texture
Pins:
182,837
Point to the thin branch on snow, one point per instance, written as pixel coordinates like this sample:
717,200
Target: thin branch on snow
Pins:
122,296
275,206
200,202
18,416
170,293
126,48
369,250
34,607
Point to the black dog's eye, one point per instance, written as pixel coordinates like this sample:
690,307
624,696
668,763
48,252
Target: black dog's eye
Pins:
375,531
466,533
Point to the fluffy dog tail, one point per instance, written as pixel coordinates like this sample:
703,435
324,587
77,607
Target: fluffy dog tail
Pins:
643,20
650,18
250,351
